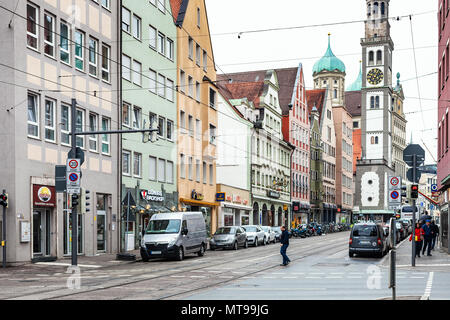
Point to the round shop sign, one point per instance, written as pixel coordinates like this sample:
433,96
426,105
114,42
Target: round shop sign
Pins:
44,194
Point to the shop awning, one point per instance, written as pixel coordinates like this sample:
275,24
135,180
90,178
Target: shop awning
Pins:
199,203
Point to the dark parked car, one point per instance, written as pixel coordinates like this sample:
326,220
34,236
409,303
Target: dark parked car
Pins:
402,230
229,238
368,238
407,225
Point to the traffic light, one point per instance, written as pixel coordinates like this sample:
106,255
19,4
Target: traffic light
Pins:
404,192
75,198
85,197
4,200
414,191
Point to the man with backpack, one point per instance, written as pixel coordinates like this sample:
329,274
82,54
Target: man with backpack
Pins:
284,239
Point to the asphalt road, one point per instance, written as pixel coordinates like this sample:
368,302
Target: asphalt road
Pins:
320,269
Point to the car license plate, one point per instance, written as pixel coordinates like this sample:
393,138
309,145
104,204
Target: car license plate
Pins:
155,252
364,242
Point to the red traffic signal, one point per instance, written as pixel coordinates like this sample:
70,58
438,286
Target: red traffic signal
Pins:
414,191
4,200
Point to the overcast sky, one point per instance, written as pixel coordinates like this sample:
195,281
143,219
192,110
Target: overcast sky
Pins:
288,48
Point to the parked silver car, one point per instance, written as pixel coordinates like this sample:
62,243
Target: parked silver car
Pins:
255,235
229,238
270,234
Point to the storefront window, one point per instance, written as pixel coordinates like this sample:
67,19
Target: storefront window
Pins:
207,213
228,220
245,220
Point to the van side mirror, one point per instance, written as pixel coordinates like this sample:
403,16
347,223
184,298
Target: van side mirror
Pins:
184,231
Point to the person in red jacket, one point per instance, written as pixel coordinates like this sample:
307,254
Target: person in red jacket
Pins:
419,234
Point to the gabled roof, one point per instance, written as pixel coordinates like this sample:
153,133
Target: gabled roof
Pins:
178,10
248,85
287,79
353,102
316,98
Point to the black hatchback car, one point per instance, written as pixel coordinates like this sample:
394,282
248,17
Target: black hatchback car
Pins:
368,238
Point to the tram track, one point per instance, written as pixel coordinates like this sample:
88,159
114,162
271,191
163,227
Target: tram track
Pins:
104,284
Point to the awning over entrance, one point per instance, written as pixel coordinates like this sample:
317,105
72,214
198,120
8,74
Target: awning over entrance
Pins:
199,203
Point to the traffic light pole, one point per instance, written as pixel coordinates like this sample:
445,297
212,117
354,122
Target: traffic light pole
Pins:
4,234
74,135
74,208
413,258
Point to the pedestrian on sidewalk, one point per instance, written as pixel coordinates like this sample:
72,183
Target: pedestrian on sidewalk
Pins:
284,239
428,238
418,234
435,230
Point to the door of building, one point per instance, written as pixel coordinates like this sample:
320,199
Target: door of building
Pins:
101,231
41,232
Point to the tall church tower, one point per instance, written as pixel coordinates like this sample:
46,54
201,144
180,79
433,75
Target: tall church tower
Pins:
376,109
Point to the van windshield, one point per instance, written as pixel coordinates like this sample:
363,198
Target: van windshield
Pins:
163,226
365,231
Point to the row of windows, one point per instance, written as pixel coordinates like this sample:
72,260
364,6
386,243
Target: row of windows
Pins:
347,148
83,59
269,181
198,172
160,170
188,128
347,199
132,24
443,138
158,83
347,182
50,129
329,195
200,54
277,155
329,170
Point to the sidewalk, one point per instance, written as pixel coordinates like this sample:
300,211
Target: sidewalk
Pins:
88,262
439,261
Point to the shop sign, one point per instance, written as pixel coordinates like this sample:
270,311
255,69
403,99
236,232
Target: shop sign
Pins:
237,199
197,196
44,196
229,199
152,195
273,194
220,196
285,207
245,202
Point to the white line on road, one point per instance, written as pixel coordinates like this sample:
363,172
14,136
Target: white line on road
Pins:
426,295
197,276
177,276
68,264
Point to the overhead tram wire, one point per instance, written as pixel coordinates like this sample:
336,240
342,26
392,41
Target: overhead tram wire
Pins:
131,70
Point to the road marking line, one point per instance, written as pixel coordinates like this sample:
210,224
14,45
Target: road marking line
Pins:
331,277
178,276
290,277
238,272
225,277
68,264
354,277
313,277
417,277
268,277
197,276
426,295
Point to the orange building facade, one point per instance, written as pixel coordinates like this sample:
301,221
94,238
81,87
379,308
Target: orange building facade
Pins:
197,111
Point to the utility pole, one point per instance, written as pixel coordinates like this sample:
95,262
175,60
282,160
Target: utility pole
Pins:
4,233
75,197
74,207
413,261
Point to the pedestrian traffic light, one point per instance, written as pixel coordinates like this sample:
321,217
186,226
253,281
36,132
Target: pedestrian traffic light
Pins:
4,200
75,198
414,191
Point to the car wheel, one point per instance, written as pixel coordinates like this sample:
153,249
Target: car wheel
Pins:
235,246
201,253
246,244
264,241
180,254
256,242
351,254
145,259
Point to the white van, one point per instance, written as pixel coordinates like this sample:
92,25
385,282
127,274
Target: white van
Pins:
173,235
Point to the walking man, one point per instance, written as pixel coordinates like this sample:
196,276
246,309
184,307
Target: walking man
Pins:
428,237
435,230
284,239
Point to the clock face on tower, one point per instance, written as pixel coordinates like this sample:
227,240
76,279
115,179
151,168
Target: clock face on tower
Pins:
375,76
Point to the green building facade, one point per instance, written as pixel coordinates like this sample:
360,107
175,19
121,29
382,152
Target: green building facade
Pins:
149,78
